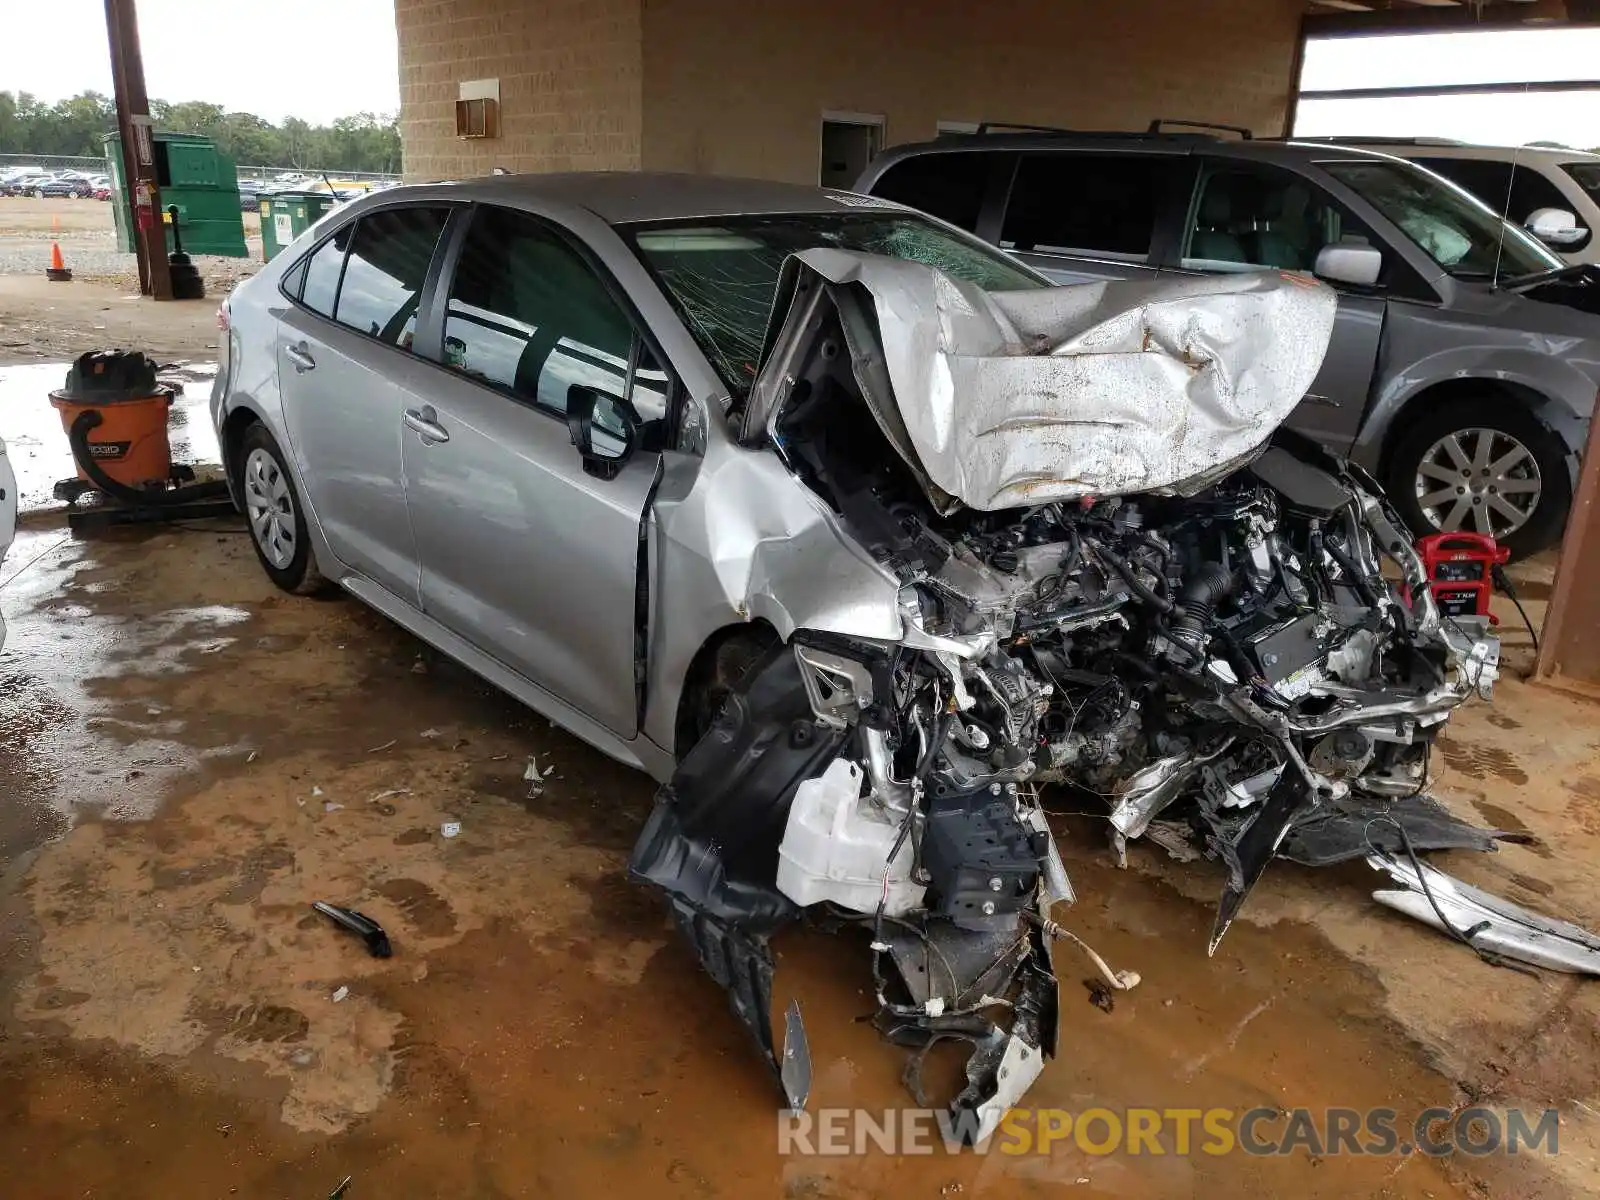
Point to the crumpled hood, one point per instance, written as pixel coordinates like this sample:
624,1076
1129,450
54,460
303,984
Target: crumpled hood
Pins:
1005,399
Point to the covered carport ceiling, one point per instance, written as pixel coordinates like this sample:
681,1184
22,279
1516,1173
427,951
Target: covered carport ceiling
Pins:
1331,17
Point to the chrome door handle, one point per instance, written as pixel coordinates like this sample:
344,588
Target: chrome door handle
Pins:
300,357
426,423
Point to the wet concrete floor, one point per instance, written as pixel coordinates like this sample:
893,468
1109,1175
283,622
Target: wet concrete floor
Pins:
189,758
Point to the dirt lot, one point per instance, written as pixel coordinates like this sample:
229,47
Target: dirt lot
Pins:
86,232
193,758
188,759
101,307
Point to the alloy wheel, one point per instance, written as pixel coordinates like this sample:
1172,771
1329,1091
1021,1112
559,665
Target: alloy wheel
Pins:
1479,481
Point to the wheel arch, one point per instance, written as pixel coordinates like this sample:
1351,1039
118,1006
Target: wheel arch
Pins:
1420,404
229,437
760,635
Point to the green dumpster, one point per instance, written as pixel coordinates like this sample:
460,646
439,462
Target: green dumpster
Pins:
196,179
286,215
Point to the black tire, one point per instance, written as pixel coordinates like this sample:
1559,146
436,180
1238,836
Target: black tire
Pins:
1507,423
275,514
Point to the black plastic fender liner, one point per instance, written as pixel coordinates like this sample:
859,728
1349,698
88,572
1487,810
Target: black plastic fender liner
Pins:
714,835
1355,827
1248,856
711,842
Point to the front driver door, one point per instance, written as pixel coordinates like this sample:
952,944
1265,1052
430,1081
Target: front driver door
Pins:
1247,217
524,554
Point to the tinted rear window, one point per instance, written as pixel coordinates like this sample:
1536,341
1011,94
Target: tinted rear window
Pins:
1096,202
950,186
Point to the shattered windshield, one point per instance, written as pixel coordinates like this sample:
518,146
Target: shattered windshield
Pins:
721,275
1458,231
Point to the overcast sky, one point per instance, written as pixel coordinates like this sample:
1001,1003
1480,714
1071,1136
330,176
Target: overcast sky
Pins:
321,59
314,59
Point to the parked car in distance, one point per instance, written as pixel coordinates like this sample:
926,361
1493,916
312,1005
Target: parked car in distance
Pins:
1551,191
1440,378
24,182
8,518
68,183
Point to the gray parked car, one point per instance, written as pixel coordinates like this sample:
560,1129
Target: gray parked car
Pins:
855,532
1464,367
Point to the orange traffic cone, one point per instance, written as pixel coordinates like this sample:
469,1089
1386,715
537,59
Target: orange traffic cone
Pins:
57,270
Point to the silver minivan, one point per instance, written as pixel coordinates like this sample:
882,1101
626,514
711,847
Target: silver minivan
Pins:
1466,356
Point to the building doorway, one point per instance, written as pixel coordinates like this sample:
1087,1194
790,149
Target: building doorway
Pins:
849,142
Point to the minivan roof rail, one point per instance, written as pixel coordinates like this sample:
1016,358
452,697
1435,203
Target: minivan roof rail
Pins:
986,127
1156,128
1367,139
1159,122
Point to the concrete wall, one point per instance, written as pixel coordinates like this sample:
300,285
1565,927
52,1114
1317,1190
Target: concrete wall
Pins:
739,87
569,73
736,88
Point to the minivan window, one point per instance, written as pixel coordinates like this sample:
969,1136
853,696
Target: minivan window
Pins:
528,314
1456,230
950,186
385,270
1102,203
1249,217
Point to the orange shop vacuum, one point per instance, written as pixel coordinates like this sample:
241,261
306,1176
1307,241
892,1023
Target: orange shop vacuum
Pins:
115,415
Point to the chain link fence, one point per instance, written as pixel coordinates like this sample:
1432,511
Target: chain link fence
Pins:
94,166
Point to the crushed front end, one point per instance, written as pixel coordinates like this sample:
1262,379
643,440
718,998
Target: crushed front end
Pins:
1218,652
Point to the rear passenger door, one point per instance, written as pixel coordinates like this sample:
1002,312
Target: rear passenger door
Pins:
347,370
1252,217
524,554
1082,216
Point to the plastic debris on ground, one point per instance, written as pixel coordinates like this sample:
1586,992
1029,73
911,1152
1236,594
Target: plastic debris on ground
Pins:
363,926
1495,928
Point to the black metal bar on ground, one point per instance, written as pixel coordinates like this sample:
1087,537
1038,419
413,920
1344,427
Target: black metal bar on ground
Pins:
84,520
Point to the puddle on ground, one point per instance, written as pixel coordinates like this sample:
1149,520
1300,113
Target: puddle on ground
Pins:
37,444
80,715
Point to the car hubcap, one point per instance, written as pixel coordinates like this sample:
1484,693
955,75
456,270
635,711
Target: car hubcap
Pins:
270,507
1479,480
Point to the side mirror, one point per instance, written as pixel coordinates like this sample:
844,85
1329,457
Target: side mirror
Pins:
1556,227
1349,262
604,428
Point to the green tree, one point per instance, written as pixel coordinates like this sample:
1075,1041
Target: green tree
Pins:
75,126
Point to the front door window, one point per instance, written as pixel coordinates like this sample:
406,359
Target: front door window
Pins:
1251,218
529,315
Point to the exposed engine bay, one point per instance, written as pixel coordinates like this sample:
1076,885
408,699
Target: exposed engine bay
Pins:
1222,659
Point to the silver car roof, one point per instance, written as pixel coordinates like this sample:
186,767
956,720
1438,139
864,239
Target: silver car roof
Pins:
623,197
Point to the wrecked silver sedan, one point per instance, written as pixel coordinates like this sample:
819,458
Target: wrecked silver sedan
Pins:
857,535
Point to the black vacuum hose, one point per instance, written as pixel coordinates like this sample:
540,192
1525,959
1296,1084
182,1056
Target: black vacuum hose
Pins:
78,436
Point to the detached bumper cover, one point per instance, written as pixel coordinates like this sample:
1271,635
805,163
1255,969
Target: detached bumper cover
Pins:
1492,925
